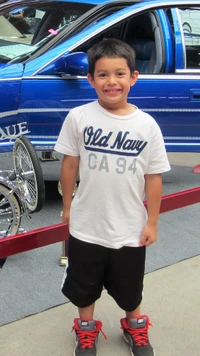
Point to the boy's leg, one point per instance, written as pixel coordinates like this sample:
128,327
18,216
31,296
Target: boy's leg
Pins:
135,333
82,284
83,279
87,330
86,313
133,314
125,285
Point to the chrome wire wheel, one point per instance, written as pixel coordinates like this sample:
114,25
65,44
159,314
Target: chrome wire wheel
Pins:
27,166
10,212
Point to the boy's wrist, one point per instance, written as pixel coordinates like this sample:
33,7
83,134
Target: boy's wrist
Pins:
66,206
152,221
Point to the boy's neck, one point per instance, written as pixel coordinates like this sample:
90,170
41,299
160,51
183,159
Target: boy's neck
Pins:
121,110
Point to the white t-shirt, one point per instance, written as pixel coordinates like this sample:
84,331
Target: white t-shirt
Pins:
115,154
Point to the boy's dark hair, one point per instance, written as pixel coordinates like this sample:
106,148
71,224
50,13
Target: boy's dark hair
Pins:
111,48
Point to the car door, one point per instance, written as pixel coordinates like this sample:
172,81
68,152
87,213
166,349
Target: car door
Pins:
12,43
47,95
183,130
10,83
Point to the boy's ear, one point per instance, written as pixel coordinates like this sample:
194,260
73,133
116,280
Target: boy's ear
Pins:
134,77
90,80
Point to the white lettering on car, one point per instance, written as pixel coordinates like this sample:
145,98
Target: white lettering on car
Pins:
13,131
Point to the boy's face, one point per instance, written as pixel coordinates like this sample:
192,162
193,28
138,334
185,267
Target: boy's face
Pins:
112,81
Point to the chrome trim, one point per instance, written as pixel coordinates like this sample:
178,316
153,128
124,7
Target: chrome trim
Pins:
181,138
144,109
34,110
181,144
171,110
55,77
44,137
43,148
182,37
8,113
192,74
184,138
141,76
121,18
190,71
172,76
9,79
44,110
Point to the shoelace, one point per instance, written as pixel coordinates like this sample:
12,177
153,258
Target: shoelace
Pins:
140,336
87,338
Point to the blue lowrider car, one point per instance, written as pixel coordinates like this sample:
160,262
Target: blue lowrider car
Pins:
43,64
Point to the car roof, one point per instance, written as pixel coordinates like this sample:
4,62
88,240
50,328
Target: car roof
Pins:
92,2
25,3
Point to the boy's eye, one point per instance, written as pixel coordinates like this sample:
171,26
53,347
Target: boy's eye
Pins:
120,74
102,75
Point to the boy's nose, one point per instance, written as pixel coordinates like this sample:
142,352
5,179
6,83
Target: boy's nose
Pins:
112,80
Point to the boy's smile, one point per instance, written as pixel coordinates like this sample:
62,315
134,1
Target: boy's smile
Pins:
113,91
112,81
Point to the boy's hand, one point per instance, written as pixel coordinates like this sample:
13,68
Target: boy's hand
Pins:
149,235
65,215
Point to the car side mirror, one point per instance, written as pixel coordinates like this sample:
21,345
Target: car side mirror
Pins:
74,64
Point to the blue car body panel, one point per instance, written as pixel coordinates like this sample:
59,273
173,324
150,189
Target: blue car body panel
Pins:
35,99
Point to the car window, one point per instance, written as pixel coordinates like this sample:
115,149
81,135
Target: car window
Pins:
17,30
24,30
190,19
144,34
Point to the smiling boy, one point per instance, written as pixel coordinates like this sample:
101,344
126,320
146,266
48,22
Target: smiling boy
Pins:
119,153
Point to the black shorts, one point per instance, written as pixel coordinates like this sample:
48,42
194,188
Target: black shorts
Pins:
92,267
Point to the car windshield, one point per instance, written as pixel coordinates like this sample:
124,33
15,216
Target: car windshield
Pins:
25,30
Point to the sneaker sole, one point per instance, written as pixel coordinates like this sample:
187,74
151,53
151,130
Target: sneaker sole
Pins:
124,337
75,349
75,353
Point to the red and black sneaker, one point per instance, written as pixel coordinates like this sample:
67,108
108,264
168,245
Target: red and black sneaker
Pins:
86,337
136,335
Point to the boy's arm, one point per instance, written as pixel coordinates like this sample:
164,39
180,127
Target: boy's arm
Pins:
69,172
153,191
